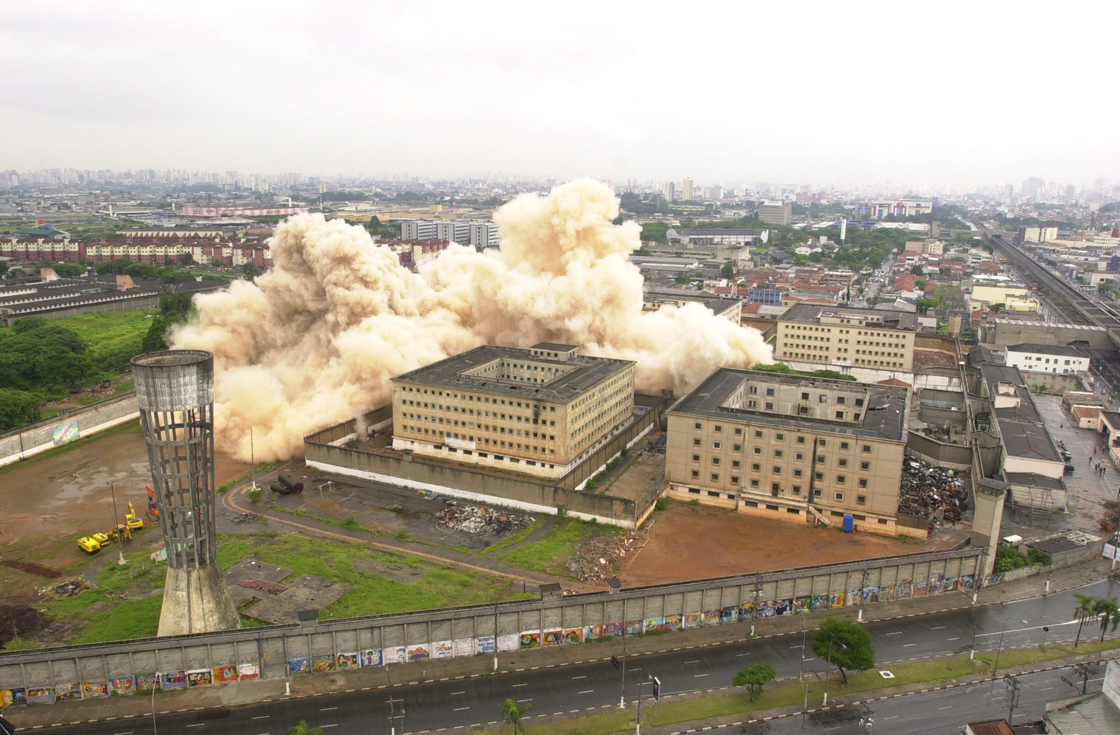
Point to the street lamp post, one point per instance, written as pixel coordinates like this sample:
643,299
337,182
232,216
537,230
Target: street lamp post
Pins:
999,648
155,731
828,669
622,699
253,459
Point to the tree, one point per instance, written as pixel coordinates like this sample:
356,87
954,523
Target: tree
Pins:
727,270
1083,612
917,271
1108,612
755,677
856,653
683,280
513,714
304,729
250,270
17,408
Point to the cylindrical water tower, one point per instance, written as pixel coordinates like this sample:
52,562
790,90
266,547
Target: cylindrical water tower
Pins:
175,390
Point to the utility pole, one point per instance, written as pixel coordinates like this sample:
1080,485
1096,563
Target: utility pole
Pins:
116,524
620,663
253,459
864,576
392,706
1013,686
1085,671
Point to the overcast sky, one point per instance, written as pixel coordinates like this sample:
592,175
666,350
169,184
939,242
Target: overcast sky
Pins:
837,92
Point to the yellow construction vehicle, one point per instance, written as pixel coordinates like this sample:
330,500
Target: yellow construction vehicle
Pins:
133,521
92,544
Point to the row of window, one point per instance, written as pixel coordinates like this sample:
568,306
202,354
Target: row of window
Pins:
480,440
777,490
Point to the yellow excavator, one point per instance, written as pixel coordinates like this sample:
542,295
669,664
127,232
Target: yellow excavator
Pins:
123,532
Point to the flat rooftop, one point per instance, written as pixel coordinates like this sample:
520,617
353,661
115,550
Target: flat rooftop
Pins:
449,373
813,314
884,416
1041,349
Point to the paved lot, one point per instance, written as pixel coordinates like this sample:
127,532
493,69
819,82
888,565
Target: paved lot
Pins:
1087,489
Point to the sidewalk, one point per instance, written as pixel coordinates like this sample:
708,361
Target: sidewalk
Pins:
242,693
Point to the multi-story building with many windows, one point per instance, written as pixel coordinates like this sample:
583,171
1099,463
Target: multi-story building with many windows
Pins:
790,447
539,411
847,337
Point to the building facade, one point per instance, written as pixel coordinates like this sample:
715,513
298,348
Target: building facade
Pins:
1055,359
776,213
901,208
847,337
791,448
539,411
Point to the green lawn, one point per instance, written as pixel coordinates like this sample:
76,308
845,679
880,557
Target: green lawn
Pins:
548,553
514,538
440,586
113,337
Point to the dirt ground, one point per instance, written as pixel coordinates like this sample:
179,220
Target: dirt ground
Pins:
694,542
46,503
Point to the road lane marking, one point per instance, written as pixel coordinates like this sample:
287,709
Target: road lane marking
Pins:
897,632
581,676
953,639
892,717
460,709
907,645
696,661
949,707
699,675
262,717
455,694
521,685
737,655
327,709
587,691
940,627
530,699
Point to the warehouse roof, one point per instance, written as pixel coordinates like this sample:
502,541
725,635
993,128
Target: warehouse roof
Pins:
814,313
884,417
588,372
1040,349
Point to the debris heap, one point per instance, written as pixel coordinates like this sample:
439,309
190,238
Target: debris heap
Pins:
598,558
479,520
931,492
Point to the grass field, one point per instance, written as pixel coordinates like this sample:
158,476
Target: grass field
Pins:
113,338
548,553
440,586
514,538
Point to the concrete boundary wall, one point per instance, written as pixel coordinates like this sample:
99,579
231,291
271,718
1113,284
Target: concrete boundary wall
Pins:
329,645
939,454
27,441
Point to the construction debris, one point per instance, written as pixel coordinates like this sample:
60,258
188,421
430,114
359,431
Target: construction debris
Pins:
598,558
478,520
931,492
241,518
69,589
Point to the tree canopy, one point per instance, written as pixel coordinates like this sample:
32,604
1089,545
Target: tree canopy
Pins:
755,677
851,646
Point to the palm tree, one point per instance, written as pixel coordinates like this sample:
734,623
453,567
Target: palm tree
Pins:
1109,613
513,714
1083,612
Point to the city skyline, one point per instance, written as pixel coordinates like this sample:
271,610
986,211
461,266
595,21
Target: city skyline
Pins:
757,94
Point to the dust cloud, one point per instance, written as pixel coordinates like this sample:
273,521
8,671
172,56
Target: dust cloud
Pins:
315,340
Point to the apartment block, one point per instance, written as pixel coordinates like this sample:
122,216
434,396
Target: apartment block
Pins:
791,448
539,411
776,213
847,337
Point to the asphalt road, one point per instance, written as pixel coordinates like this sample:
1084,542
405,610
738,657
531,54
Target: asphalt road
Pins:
596,686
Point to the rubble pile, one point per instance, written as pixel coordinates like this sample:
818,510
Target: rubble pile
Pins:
242,518
598,558
475,519
931,492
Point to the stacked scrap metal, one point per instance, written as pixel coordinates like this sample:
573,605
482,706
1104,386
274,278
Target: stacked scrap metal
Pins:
475,519
931,492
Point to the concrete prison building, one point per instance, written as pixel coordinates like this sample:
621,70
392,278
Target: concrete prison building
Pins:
540,411
847,336
790,447
1040,358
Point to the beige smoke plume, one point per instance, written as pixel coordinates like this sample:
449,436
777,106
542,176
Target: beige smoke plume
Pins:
315,340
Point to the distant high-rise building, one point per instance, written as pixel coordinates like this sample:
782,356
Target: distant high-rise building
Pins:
458,231
669,191
686,190
484,235
418,230
776,213
1032,188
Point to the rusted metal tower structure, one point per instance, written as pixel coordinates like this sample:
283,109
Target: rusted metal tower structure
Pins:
175,390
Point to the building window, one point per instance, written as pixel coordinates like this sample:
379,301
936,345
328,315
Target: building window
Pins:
775,488
844,446
800,440
797,473
735,463
796,489
816,493
778,453
715,461
861,499
839,497
821,459
799,457
822,398
804,396
718,428
867,449
756,467
754,484
696,458
842,462
696,426
715,477
734,479
769,392
769,406
758,435
819,476
738,431
863,482
757,450
839,415
840,400
822,443
841,479
695,442
865,466
737,448
777,470
780,437
716,445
